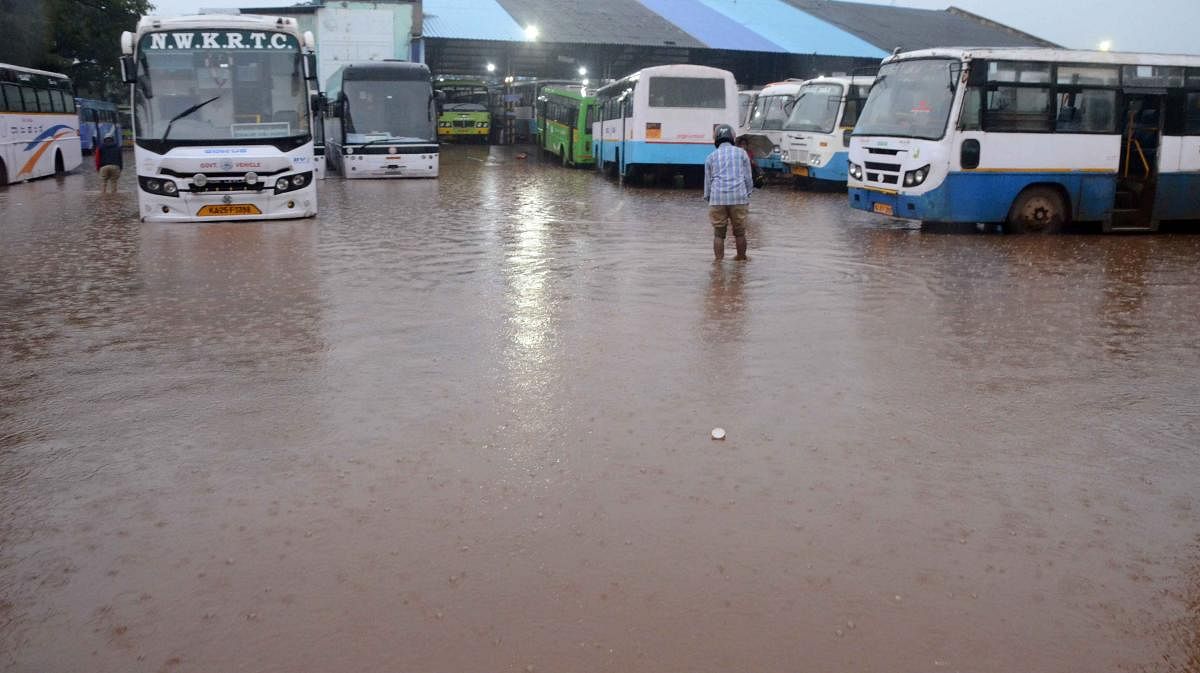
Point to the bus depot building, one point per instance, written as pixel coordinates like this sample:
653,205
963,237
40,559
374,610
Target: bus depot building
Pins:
507,41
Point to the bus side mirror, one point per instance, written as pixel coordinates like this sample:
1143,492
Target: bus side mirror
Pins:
310,66
846,137
969,154
128,70
318,102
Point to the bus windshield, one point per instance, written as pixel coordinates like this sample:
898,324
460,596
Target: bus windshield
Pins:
220,86
911,99
815,109
388,110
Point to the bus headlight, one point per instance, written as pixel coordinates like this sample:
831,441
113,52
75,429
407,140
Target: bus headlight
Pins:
199,179
815,159
169,188
297,181
856,171
914,178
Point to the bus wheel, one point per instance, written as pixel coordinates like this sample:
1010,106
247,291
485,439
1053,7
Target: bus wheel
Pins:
566,163
59,167
1038,210
3,174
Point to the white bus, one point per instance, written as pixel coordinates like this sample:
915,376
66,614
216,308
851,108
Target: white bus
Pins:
1031,137
771,110
39,127
383,121
817,132
662,118
222,129
746,100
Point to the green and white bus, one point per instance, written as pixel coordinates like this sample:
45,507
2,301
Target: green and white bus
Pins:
465,114
564,118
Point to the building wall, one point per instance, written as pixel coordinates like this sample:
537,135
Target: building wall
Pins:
360,31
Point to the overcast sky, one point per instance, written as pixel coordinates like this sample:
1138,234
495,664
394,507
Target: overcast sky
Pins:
1144,25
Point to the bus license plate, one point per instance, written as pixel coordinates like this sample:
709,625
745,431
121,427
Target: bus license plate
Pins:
884,208
229,210
800,171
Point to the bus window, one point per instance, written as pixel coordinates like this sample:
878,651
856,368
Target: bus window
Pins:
56,102
12,98
29,99
1017,109
1087,111
43,97
695,92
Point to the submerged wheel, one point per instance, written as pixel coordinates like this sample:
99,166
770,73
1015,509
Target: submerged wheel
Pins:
562,152
3,174
59,167
1038,210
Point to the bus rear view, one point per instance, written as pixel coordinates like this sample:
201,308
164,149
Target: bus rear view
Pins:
222,129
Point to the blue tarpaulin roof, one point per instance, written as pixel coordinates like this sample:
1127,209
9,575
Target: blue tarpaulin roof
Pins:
822,27
709,26
796,31
470,20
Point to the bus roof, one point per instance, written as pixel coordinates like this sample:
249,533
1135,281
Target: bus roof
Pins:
788,86
31,71
681,69
1041,54
576,91
195,21
386,70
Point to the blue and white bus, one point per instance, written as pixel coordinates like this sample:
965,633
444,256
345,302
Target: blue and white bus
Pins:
222,117
1033,138
39,130
816,134
765,126
662,118
97,119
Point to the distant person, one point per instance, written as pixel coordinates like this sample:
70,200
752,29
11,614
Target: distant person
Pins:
728,181
109,161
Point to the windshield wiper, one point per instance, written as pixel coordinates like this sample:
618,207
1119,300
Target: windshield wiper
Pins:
185,113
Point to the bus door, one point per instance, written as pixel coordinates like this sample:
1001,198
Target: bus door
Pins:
1141,138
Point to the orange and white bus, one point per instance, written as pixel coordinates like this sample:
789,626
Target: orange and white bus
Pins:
39,128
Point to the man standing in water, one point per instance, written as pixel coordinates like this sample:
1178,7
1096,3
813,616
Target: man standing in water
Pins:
728,181
109,163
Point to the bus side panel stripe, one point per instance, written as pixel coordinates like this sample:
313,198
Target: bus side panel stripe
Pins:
52,131
29,165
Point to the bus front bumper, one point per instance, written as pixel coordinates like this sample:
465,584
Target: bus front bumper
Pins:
217,207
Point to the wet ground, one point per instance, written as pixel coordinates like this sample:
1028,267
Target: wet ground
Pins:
463,425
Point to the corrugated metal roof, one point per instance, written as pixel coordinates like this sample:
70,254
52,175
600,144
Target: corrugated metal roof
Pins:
598,22
470,20
710,26
888,27
797,31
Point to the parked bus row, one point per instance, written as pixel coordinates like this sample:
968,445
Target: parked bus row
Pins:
227,122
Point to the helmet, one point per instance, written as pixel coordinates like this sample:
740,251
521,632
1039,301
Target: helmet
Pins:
723,134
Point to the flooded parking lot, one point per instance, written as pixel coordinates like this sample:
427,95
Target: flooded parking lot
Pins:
463,425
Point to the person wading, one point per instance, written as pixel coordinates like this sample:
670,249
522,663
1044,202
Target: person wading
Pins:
109,162
728,181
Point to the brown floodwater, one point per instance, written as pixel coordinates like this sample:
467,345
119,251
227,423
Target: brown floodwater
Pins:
462,425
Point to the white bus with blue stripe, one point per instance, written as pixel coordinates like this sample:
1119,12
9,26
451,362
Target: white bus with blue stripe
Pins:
662,118
767,119
1033,138
39,128
816,135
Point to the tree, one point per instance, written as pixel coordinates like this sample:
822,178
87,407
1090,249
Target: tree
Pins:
84,41
23,25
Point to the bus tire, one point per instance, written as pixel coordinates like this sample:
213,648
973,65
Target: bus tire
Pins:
1040,209
59,166
3,174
